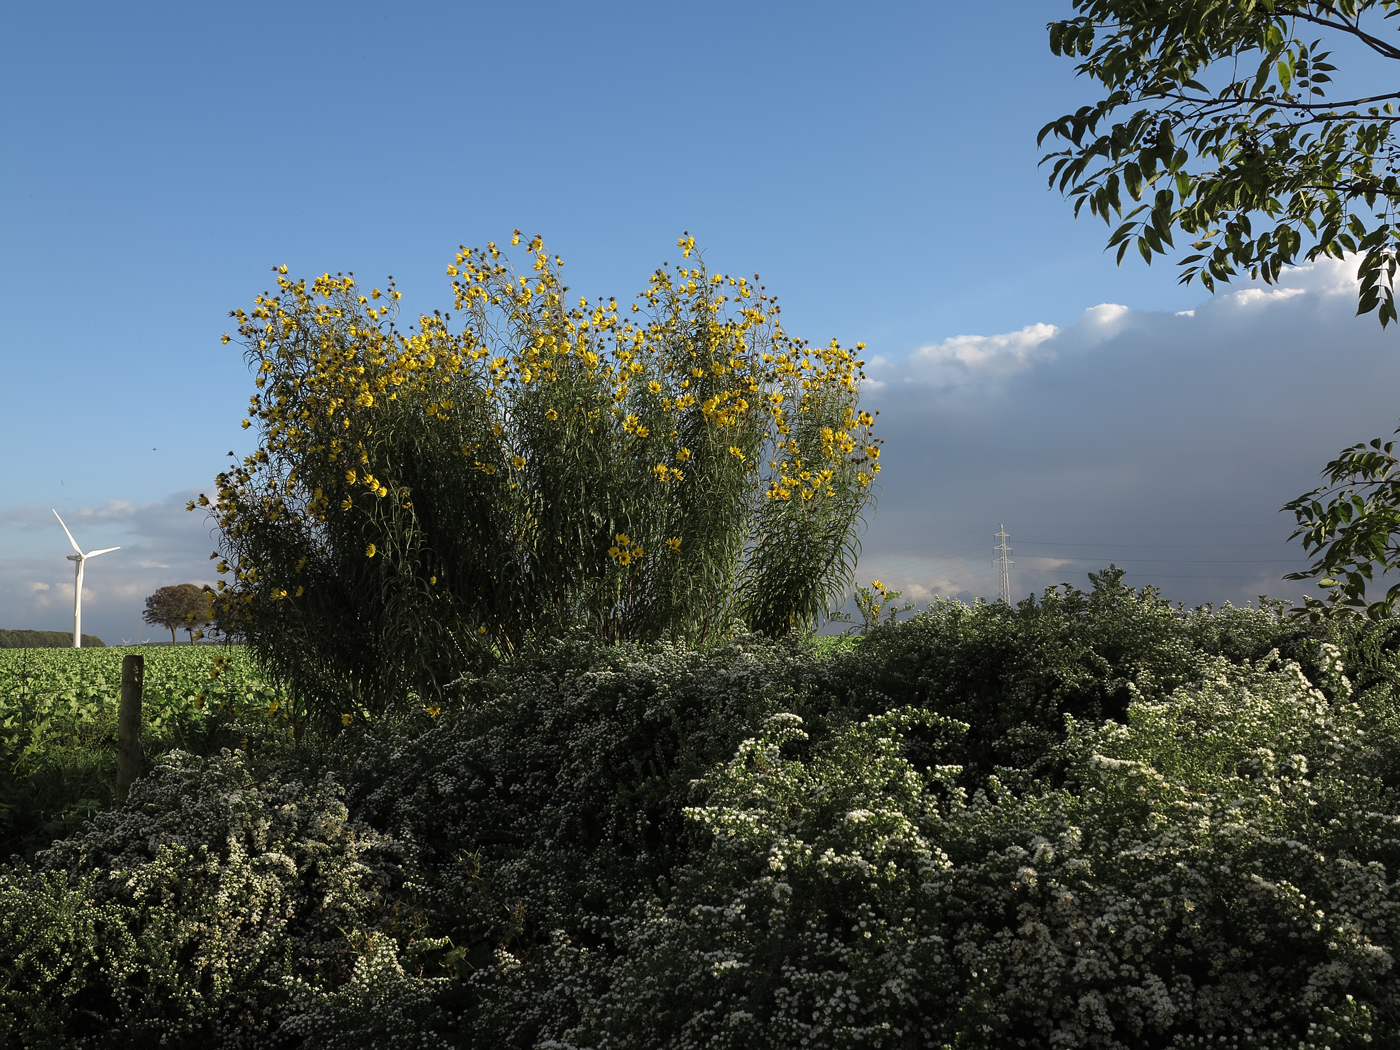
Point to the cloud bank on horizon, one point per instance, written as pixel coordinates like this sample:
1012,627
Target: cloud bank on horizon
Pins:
1163,442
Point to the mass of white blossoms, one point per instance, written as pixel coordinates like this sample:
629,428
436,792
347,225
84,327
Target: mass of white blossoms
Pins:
1220,866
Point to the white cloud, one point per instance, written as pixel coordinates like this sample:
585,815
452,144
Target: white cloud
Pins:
967,361
995,354
1254,296
113,509
965,365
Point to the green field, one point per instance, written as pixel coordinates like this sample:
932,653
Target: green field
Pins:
58,722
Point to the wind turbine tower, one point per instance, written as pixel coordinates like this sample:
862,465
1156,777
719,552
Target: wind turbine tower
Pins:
79,559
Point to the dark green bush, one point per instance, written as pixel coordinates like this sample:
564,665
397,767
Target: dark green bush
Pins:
1014,673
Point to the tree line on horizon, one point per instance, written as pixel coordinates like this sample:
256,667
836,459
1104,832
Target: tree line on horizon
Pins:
22,639
180,607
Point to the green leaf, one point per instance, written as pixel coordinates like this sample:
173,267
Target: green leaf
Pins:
1132,179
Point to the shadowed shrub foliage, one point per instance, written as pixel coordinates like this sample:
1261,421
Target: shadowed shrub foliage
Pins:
197,911
1093,820
426,502
1014,673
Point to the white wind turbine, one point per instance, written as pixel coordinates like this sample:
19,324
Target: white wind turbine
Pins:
79,558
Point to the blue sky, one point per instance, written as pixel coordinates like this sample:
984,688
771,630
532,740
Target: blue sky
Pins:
875,163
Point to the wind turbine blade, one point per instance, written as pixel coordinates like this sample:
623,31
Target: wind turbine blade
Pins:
70,535
104,550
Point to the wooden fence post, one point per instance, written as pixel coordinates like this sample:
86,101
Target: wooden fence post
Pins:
129,754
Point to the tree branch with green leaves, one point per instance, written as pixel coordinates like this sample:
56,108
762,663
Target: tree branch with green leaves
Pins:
1355,531
1216,123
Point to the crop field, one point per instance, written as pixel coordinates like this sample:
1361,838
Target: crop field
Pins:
50,696
58,725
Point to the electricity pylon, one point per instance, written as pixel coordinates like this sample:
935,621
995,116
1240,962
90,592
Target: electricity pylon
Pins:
1002,551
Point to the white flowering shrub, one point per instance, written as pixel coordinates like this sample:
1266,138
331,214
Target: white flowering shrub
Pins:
934,838
805,925
381,1006
1222,867
560,789
181,916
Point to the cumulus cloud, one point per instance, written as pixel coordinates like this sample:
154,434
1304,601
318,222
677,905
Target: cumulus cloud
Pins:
969,366
956,361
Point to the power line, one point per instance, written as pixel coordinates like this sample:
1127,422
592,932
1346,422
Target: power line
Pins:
1116,543
950,579
929,543
1181,561
919,561
1149,580
1029,525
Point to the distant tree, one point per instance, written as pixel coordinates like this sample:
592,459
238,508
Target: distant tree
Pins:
183,607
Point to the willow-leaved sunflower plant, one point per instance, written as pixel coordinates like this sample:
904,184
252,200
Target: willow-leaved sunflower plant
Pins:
425,502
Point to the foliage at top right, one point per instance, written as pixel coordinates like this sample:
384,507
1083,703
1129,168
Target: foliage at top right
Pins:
1216,121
